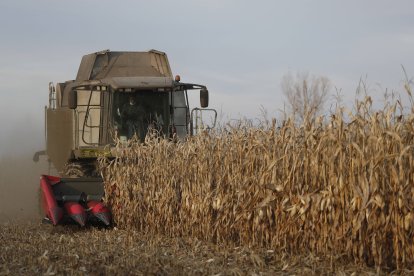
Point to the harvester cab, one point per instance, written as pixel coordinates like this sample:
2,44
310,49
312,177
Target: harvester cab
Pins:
115,96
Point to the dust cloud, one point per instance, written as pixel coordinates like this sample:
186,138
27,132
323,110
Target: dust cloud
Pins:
19,187
19,174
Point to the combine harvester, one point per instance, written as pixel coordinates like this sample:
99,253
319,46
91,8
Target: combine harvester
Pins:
115,96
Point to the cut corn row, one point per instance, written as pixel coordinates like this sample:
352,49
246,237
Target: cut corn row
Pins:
334,188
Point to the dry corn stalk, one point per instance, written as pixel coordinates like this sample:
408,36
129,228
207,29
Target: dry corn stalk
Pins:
336,188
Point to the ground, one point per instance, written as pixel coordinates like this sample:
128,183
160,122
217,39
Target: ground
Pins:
38,249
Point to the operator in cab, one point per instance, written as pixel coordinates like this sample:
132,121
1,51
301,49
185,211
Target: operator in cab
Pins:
132,118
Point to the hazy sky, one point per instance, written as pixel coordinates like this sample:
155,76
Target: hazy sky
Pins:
239,49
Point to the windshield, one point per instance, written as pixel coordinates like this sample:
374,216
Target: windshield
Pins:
136,112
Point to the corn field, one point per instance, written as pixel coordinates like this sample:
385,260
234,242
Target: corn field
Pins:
339,186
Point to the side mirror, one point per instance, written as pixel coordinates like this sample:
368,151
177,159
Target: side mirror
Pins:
73,99
204,97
